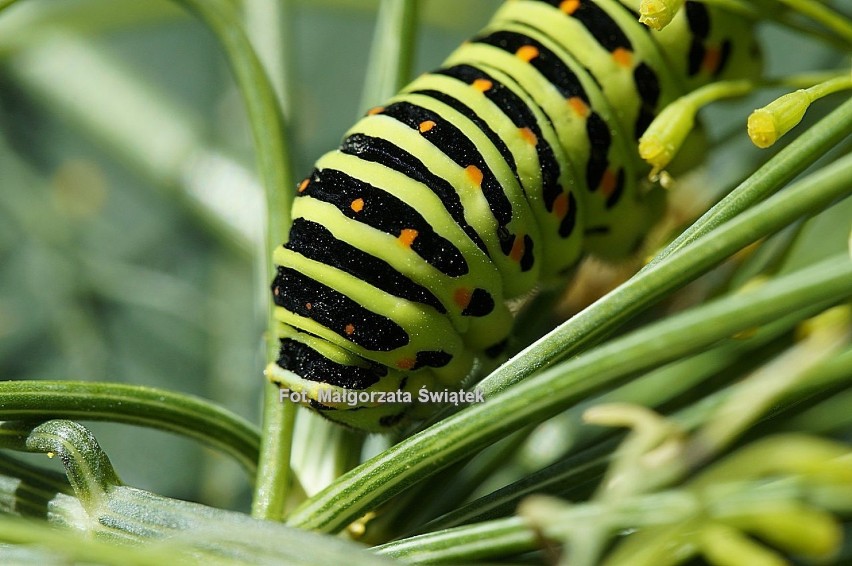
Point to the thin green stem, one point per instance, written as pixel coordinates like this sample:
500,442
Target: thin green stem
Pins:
132,404
808,196
392,51
274,167
666,386
789,162
269,27
819,12
542,396
716,91
274,470
836,84
502,537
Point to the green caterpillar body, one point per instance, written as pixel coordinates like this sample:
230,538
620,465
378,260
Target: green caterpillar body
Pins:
479,180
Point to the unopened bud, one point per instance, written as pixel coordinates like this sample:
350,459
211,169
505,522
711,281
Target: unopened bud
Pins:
766,125
657,14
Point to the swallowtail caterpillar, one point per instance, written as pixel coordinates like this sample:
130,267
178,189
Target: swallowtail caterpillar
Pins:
494,173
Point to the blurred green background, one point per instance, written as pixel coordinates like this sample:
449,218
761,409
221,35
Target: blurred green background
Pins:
130,214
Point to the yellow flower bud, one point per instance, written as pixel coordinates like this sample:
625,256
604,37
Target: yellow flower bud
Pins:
657,14
766,125
666,134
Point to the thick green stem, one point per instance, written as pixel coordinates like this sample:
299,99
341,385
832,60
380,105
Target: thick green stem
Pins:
540,397
808,196
132,404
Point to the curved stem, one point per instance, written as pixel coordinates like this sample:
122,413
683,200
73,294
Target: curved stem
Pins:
544,395
133,404
88,469
274,167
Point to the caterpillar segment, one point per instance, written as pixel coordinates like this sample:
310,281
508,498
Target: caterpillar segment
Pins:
522,133
478,181
584,123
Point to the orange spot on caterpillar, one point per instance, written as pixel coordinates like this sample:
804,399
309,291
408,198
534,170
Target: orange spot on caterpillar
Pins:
579,107
527,53
375,110
528,136
407,236
712,59
622,57
309,306
425,126
569,6
405,363
517,248
357,205
303,185
349,329
560,205
482,85
474,174
608,182
461,297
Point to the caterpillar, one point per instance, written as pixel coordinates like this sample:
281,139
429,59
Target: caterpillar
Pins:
496,172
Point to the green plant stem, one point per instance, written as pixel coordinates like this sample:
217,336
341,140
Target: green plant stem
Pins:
501,537
664,386
732,488
818,12
132,404
807,196
573,477
802,152
87,467
274,167
269,27
544,395
392,51
274,470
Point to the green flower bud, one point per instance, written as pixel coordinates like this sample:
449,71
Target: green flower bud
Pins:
666,134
